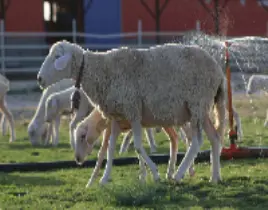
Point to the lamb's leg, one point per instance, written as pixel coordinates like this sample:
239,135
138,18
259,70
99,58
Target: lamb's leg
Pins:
137,136
192,151
10,119
115,131
238,124
72,127
101,155
214,139
56,131
150,138
48,133
173,137
126,142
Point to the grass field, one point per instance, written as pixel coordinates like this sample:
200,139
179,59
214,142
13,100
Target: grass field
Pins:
244,185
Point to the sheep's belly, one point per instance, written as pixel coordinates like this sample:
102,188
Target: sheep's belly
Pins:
148,119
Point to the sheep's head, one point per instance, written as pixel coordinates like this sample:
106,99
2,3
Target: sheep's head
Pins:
57,64
35,132
52,108
87,133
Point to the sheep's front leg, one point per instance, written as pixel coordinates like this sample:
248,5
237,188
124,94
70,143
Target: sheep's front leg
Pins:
126,142
6,112
72,126
56,131
173,137
49,134
101,154
214,139
150,139
137,136
190,155
115,131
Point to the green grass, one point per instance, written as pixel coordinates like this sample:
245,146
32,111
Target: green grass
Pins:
244,185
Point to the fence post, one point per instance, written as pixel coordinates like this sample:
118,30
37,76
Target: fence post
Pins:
139,33
74,30
2,44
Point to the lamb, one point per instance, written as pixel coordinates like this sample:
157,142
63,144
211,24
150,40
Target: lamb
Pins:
38,128
91,128
6,114
131,85
257,83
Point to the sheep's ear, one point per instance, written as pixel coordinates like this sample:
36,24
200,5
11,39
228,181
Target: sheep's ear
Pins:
61,62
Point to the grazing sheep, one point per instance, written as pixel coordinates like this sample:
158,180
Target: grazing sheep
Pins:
6,114
162,86
88,130
257,83
37,127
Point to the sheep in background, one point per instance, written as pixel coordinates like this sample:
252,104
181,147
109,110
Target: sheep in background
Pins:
159,86
6,114
257,83
37,128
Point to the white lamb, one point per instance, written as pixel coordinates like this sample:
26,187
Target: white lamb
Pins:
6,114
163,86
38,128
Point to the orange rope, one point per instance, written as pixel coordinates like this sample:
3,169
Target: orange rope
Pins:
229,88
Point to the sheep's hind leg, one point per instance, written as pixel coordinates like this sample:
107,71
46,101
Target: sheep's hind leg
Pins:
190,155
115,131
214,139
3,125
137,135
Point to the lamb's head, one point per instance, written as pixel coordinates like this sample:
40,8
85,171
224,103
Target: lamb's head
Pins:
87,133
52,108
35,132
59,63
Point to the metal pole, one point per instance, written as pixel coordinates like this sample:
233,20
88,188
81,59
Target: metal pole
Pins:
2,44
74,30
139,33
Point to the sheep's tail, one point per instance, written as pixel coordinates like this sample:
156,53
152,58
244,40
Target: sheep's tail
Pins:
219,111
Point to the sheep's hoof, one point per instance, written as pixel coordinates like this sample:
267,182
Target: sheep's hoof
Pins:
104,180
215,180
178,177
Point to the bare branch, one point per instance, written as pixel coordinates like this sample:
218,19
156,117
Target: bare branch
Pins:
148,9
263,5
164,6
206,8
223,6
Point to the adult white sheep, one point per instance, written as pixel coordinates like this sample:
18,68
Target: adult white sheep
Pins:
37,127
6,114
91,128
161,86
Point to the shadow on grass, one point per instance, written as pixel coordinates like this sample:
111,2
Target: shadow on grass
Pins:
239,192
22,180
29,146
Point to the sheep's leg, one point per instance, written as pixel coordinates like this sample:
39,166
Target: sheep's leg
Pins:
187,131
150,139
137,135
266,120
48,133
126,142
3,125
101,155
56,130
115,131
238,124
143,173
214,139
190,155
10,119
76,118
173,137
